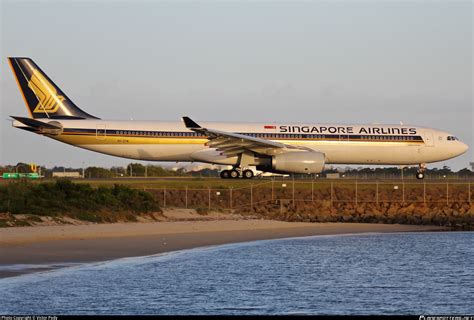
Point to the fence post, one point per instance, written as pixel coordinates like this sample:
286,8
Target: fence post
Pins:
293,198
273,188
403,191
424,192
164,197
251,197
209,198
312,190
447,193
186,197
469,192
377,192
230,198
356,193
331,193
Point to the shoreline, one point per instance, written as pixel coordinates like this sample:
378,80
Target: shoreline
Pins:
41,248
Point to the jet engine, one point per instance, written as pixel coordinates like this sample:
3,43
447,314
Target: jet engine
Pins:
295,162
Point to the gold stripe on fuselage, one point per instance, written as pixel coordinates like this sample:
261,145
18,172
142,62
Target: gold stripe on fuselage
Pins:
81,139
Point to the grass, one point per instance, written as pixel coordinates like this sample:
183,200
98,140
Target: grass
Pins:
259,185
171,183
217,183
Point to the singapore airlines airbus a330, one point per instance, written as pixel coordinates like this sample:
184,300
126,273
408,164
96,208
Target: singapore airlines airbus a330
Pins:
271,147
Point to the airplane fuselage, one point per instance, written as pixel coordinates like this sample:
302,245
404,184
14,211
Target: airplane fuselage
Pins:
340,143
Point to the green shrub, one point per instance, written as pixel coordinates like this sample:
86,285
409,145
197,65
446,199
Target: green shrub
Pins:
87,216
82,201
4,223
22,223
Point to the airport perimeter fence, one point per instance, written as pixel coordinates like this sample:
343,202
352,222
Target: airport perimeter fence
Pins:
331,193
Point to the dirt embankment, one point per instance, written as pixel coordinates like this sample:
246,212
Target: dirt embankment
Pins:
415,205
453,215
440,205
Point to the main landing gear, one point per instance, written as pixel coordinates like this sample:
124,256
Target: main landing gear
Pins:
420,173
234,174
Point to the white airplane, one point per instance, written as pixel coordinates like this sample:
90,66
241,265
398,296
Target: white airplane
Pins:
271,147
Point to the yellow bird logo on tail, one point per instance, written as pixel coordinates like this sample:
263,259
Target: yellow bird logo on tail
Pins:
48,99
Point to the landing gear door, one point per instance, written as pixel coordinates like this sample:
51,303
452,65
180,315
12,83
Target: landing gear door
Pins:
100,132
428,137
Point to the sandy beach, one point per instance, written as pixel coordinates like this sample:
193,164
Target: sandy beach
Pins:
45,246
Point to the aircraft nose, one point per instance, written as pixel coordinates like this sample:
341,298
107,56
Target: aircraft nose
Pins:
463,147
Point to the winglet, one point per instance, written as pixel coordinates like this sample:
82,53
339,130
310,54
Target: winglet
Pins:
190,124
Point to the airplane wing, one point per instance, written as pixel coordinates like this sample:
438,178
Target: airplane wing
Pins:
232,144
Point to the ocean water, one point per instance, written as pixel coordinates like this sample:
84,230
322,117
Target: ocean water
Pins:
404,273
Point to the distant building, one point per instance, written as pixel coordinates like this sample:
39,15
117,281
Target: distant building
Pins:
333,175
73,174
472,165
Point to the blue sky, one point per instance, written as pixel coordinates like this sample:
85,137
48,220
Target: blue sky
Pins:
332,61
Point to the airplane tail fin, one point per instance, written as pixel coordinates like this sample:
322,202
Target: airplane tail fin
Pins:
42,97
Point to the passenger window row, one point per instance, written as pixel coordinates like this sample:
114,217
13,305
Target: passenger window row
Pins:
275,135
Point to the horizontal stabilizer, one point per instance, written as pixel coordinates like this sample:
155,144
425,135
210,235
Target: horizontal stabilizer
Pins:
35,123
42,127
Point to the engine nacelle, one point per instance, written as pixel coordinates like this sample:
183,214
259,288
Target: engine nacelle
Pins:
298,162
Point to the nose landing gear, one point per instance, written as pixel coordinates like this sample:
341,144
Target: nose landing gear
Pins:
420,173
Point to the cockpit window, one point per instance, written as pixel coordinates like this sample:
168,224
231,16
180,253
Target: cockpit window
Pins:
452,138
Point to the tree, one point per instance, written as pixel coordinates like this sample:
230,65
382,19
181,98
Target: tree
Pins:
96,172
119,171
465,172
136,170
445,171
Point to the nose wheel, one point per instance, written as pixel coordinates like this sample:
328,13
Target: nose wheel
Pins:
420,173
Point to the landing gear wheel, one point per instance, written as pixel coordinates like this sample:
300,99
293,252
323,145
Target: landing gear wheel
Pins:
247,174
234,174
225,174
420,175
